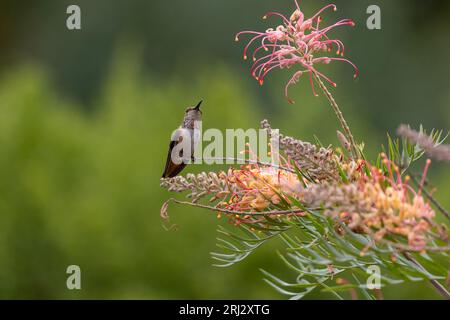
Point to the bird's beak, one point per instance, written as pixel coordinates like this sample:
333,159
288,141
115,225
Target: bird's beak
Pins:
198,105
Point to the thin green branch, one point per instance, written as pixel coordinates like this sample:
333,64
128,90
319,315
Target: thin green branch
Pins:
436,284
354,148
240,213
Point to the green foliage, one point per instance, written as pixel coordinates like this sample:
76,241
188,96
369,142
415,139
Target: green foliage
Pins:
318,251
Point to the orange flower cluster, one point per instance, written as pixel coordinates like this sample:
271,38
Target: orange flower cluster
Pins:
261,188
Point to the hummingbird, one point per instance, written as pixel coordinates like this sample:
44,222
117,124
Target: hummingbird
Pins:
191,115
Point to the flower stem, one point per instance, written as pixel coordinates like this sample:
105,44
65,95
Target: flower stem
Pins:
239,213
354,148
436,284
429,196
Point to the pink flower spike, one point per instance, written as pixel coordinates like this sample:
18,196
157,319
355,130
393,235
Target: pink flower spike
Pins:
298,41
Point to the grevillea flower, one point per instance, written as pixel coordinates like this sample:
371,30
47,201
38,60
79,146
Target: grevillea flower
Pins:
296,42
261,187
250,188
380,204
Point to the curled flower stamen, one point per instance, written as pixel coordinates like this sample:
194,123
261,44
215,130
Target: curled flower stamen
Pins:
424,175
334,8
269,14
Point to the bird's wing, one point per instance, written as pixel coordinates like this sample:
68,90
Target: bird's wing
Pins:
171,169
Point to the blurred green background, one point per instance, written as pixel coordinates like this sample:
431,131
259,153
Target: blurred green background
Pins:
86,116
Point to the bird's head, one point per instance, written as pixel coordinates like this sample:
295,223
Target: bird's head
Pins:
194,113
